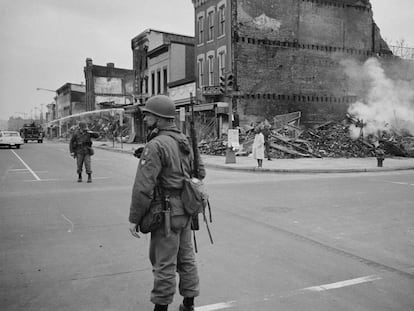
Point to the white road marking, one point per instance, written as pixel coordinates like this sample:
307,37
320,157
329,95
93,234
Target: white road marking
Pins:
217,306
24,170
325,287
31,180
356,281
398,183
61,179
70,230
27,166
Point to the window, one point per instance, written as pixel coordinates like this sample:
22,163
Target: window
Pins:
158,82
152,83
201,71
221,55
211,70
210,26
200,29
222,20
165,77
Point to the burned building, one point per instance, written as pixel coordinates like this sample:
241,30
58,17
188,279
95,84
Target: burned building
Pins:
70,99
284,55
107,86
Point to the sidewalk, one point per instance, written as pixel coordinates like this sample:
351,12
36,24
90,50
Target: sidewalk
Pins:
302,165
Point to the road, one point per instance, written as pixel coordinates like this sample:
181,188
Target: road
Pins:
289,242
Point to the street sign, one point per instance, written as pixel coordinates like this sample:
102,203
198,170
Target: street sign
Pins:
182,114
233,138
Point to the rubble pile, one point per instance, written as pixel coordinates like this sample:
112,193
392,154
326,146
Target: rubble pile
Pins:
330,139
213,146
333,140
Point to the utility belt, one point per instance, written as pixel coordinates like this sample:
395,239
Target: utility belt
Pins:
172,192
84,144
158,215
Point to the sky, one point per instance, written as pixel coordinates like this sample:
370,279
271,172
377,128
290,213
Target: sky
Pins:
45,42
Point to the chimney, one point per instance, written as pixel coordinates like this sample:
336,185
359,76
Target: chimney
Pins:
110,65
89,62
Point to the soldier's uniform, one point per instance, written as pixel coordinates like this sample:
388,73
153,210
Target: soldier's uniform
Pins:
160,164
79,145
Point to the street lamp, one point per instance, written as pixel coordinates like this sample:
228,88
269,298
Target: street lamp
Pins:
42,89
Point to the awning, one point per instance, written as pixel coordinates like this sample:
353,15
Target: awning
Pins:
203,107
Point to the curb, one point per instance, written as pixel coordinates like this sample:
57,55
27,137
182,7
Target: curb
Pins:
310,171
113,150
285,171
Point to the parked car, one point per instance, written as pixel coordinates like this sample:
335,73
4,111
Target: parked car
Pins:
10,139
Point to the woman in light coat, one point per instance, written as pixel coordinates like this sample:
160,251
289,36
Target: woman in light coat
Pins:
258,147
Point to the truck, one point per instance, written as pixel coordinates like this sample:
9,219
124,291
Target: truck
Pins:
32,131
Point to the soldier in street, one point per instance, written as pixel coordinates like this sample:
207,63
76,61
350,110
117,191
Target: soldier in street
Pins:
162,166
80,147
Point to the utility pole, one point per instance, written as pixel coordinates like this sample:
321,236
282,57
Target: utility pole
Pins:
41,113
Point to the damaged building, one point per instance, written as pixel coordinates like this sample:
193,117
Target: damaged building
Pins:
107,86
284,55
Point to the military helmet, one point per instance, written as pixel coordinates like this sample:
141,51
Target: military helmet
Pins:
161,106
82,124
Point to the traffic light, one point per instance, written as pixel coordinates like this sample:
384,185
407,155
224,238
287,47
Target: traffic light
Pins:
226,84
229,83
223,83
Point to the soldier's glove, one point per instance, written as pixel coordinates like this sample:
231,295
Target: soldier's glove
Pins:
73,155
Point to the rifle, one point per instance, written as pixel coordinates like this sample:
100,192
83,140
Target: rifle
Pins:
196,173
196,155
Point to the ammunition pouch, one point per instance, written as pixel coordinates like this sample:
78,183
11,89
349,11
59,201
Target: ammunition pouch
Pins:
91,151
153,219
159,209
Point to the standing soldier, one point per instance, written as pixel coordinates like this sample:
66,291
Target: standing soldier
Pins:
161,170
80,147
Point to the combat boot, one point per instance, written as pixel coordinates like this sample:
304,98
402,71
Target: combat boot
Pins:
79,177
188,304
184,308
161,308
89,178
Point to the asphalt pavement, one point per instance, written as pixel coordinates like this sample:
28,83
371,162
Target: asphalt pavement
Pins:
281,241
300,165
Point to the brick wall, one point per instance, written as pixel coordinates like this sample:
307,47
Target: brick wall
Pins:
287,56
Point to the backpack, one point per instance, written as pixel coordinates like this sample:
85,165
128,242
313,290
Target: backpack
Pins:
194,195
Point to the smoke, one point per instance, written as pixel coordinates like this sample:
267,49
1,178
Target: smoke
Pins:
387,103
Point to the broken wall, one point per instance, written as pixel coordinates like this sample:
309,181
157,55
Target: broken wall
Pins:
288,53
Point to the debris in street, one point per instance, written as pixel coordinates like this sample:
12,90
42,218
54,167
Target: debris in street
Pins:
331,139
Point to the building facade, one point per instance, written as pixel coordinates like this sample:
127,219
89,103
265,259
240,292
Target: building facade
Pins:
163,63
285,55
108,86
70,99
